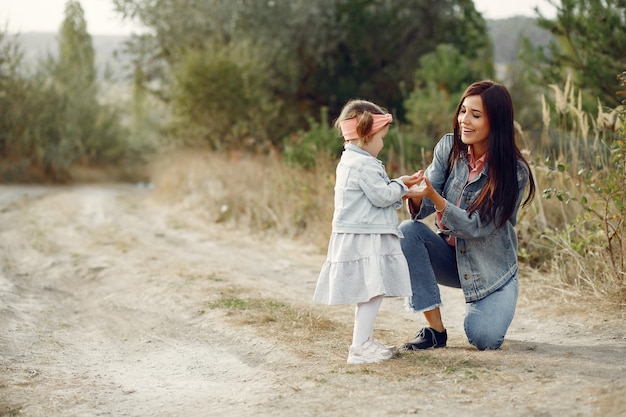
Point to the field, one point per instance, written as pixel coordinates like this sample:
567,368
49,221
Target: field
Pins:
124,300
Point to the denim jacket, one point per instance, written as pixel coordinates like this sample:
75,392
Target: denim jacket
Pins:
366,199
486,255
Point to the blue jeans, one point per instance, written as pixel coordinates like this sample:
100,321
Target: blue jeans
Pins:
431,262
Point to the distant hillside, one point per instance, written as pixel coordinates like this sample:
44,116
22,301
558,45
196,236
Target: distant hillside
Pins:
38,45
507,33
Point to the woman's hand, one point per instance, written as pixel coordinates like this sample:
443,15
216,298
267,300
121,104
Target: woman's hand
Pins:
413,197
425,189
418,189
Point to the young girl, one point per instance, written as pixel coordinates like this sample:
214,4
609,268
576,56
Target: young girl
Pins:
475,186
365,262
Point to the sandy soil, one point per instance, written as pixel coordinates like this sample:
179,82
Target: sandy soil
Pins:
103,312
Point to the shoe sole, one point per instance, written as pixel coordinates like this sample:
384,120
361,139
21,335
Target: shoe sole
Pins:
360,362
413,347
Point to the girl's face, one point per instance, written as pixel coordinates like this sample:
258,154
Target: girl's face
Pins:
474,125
375,145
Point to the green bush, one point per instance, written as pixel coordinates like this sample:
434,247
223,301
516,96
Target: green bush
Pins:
221,99
320,141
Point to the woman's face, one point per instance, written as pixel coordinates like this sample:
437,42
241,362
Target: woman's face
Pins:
474,125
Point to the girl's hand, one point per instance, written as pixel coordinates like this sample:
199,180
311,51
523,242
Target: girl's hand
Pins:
421,189
411,180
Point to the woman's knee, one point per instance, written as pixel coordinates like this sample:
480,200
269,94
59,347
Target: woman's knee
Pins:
486,329
414,230
413,241
487,321
410,225
484,338
406,227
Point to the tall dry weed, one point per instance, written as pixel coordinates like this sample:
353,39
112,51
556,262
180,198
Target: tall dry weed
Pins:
582,177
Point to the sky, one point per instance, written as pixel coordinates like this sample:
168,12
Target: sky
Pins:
47,15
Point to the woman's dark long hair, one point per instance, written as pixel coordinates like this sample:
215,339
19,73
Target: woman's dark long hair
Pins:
497,199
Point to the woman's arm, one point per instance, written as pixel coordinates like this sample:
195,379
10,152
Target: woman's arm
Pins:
425,189
437,174
463,224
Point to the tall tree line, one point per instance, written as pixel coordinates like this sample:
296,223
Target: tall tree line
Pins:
265,67
589,46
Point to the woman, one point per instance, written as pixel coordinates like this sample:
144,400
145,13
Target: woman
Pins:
475,185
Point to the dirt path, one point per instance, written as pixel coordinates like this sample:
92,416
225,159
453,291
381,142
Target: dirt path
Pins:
105,310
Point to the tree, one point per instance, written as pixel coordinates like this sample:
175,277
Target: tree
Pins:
75,80
590,47
76,62
315,53
442,77
463,57
380,64
84,129
51,117
12,85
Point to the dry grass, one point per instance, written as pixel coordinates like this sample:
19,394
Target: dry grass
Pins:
264,196
299,326
310,334
259,194
8,411
583,233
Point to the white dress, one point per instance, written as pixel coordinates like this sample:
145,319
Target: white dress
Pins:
359,267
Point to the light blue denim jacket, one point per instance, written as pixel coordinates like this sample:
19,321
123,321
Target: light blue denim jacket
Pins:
486,255
366,199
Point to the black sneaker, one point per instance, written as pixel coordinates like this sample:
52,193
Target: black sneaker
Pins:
427,338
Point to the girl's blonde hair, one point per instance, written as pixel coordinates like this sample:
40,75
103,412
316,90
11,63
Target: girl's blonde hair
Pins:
362,110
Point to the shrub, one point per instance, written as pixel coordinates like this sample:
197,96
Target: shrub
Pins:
221,99
320,142
589,161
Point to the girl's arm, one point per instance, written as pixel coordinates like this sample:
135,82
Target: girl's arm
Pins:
381,191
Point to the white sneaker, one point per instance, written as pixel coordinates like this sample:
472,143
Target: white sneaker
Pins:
391,348
371,351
